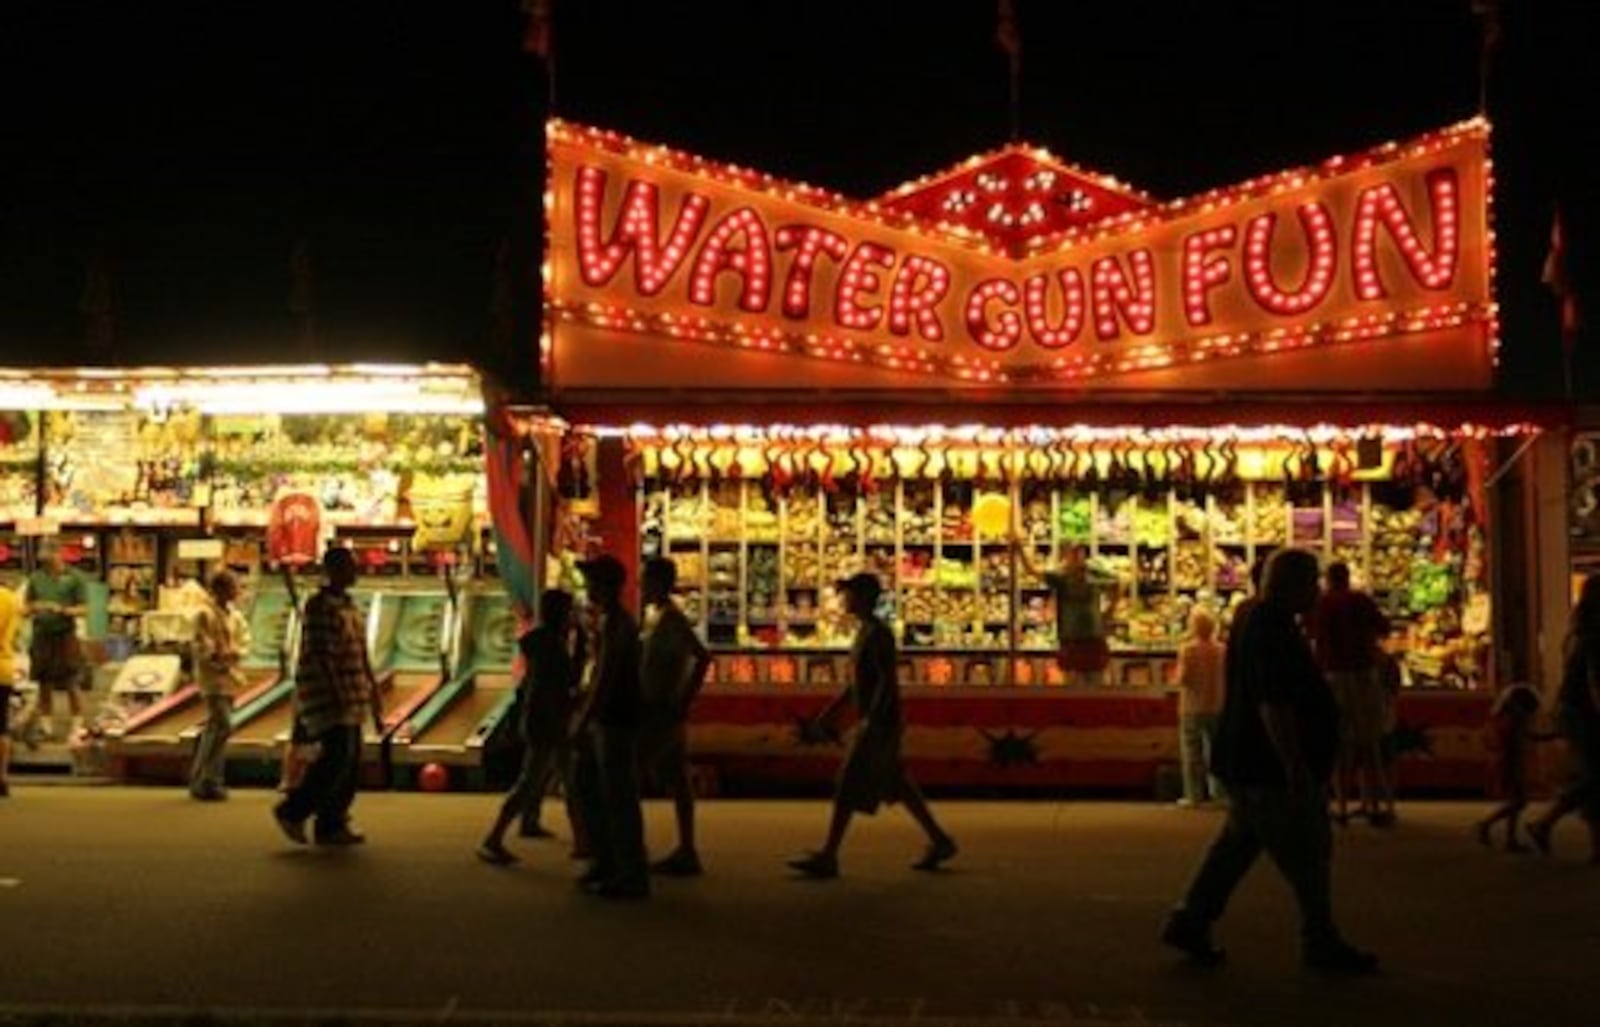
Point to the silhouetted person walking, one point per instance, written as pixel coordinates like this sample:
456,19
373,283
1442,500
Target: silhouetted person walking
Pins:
1579,716
334,694
872,772
549,686
606,743
674,669
1276,748
1511,720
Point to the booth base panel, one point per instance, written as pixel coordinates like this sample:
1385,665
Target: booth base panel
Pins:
1019,740
1008,743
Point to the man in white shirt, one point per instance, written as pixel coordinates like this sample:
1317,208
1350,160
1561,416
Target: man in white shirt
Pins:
220,642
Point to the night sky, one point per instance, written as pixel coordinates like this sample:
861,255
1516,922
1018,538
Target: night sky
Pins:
189,146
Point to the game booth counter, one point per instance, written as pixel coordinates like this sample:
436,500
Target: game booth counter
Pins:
777,386
151,478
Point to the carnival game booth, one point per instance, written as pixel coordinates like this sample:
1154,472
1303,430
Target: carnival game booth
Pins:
777,387
458,723
152,477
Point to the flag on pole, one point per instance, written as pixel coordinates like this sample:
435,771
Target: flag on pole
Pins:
513,493
1009,36
1006,31
1488,12
1556,276
536,33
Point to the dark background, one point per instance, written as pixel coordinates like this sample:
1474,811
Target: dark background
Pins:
186,148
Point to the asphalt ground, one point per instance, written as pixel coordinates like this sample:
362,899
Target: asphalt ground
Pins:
137,905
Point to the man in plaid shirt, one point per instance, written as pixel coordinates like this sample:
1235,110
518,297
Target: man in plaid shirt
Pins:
334,693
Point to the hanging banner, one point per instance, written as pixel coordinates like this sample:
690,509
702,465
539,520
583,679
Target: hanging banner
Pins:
1369,272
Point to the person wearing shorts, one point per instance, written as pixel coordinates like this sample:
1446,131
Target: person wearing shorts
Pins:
673,665
1348,629
57,595
872,772
10,622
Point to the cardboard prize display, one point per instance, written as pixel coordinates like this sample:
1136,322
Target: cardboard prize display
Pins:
442,509
952,383
294,536
295,540
454,725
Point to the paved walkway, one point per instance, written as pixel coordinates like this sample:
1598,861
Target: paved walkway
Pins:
137,904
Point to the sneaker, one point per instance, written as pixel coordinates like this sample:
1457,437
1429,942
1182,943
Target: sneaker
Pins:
1382,819
592,878
496,855
5,790
1480,831
622,891
294,830
1515,847
1539,834
937,854
682,863
1341,958
1193,939
816,865
342,837
536,831
1185,803
208,794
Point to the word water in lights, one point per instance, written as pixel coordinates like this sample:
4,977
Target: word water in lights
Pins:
876,286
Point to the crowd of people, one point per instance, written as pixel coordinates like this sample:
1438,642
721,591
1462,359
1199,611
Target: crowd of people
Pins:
1277,722
604,703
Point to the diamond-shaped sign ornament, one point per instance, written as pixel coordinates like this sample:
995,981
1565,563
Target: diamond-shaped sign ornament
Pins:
1015,196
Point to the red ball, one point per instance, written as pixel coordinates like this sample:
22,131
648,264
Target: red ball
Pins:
434,777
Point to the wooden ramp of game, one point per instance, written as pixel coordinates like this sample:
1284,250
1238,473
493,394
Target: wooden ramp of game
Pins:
173,724
456,731
262,732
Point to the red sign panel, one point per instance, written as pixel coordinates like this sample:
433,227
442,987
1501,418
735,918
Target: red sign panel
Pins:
1370,272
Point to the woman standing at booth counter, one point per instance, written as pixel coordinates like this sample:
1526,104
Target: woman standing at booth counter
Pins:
1083,595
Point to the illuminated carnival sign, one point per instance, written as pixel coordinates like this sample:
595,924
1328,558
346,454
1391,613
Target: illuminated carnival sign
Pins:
1015,270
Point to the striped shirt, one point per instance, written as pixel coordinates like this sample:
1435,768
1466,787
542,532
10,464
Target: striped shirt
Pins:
332,642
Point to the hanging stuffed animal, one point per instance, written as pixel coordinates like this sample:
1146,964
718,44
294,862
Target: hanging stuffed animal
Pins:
1090,475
